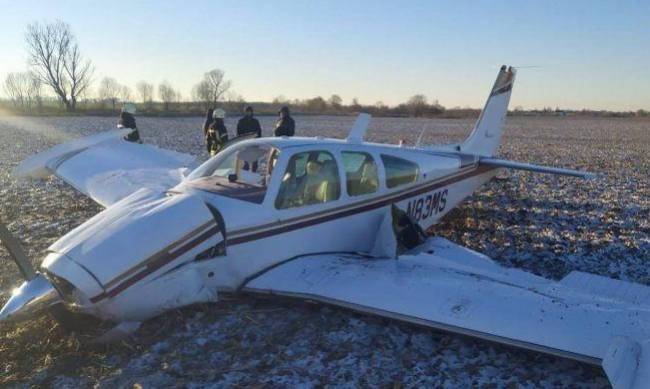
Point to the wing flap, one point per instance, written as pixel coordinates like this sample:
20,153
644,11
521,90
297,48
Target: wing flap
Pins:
107,168
448,287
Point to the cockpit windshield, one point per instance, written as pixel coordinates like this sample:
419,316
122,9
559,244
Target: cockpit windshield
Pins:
250,165
242,171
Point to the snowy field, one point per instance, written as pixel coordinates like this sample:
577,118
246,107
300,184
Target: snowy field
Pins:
544,224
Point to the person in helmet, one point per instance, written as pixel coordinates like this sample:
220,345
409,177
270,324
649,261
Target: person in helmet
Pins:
285,126
206,125
248,124
127,120
217,132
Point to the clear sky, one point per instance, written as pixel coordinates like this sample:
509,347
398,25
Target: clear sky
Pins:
592,54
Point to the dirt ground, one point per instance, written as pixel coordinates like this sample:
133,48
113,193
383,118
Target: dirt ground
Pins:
544,224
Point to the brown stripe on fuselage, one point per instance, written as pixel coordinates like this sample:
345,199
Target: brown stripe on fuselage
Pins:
156,262
247,230
365,206
160,253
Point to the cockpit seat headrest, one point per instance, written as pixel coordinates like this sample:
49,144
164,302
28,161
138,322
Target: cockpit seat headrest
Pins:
313,168
369,170
329,168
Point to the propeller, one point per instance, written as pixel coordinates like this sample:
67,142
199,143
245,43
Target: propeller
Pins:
17,253
35,294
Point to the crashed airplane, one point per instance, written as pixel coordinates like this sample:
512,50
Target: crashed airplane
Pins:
339,221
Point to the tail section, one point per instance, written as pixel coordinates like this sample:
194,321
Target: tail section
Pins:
486,136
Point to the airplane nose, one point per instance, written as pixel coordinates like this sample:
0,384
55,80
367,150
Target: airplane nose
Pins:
32,296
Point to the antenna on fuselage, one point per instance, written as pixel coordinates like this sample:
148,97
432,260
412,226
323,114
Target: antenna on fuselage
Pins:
418,143
359,128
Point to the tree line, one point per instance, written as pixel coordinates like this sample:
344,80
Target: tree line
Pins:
60,77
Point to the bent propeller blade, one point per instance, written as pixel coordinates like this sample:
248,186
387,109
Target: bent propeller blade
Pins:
16,251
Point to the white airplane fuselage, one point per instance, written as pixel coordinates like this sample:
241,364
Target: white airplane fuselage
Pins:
259,235
180,265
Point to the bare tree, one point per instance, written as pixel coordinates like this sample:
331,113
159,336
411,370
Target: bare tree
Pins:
335,101
15,86
280,99
354,104
35,91
24,90
167,94
56,59
125,93
145,92
109,90
417,105
212,88
201,92
316,105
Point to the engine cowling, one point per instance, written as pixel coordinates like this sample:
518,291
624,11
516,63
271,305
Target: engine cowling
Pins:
133,241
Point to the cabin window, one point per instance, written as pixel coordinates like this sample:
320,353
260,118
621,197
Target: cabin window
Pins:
399,171
361,173
241,173
311,178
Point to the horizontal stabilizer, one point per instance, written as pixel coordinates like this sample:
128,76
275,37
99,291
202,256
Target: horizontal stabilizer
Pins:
494,162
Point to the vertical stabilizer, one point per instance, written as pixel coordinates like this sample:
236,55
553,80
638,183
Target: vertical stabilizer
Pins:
486,136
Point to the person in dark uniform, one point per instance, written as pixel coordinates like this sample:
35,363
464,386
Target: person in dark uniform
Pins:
248,124
206,126
285,126
127,120
217,132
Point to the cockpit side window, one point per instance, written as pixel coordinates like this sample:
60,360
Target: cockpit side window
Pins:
311,178
361,173
399,171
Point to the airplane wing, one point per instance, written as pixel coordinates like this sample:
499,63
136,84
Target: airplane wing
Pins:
445,286
107,168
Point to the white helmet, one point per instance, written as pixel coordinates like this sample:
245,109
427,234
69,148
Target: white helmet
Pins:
219,113
129,108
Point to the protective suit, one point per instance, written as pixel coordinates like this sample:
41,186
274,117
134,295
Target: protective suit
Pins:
217,134
127,120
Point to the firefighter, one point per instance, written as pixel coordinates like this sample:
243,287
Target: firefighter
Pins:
249,124
206,126
285,126
217,132
127,120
